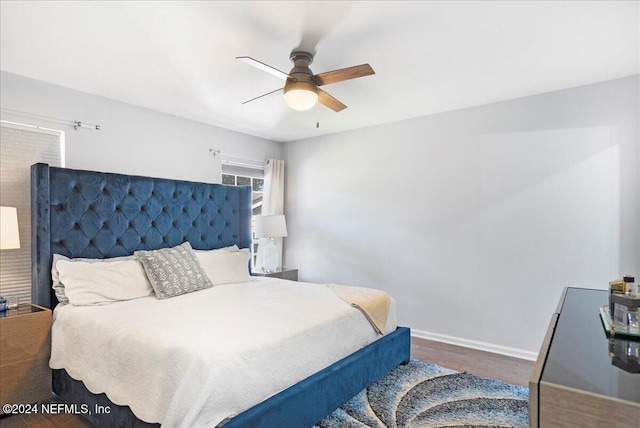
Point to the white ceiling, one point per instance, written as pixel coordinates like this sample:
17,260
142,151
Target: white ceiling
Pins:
429,57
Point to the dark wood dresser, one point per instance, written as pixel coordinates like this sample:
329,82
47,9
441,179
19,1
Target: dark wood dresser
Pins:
577,381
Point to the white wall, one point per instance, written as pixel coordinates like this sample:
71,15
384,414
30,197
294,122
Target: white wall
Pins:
474,220
132,140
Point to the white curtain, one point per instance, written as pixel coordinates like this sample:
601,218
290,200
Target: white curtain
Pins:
272,201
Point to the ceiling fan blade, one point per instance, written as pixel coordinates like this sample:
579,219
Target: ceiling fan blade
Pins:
262,66
343,74
329,101
263,95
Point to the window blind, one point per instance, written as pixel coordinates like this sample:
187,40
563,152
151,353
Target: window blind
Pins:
19,149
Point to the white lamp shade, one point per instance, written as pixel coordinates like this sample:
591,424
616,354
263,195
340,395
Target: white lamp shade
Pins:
271,226
300,95
9,232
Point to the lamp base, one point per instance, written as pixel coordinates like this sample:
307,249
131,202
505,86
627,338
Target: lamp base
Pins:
270,260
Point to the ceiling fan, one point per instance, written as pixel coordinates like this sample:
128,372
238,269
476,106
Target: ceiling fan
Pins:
301,88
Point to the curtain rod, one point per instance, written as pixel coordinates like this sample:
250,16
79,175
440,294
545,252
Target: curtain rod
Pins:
256,162
75,123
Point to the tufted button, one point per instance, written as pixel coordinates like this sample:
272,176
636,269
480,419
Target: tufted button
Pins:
153,223
105,225
174,223
164,209
211,223
118,208
193,223
76,188
131,224
219,237
227,224
61,242
130,192
219,210
226,198
175,194
235,236
210,197
153,193
143,240
119,241
164,239
233,211
76,226
92,241
105,191
202,238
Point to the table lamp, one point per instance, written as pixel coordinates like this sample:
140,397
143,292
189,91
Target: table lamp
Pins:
9,240
9,232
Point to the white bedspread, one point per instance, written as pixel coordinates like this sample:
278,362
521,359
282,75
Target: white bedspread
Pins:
196,359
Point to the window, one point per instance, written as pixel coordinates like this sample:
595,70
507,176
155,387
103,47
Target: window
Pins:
257,186
20,147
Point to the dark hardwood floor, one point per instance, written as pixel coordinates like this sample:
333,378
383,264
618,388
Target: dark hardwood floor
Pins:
507,369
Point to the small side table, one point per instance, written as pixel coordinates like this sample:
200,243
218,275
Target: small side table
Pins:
284,273
25,348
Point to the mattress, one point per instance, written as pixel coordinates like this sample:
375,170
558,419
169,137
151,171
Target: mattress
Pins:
199,358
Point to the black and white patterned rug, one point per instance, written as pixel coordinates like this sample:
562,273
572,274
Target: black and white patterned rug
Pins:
426,395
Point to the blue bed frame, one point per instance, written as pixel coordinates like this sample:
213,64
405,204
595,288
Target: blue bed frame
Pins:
91,214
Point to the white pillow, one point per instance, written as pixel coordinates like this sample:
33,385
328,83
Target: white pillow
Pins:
94,283
58,287
224,267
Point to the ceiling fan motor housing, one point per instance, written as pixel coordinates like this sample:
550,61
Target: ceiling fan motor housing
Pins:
300,75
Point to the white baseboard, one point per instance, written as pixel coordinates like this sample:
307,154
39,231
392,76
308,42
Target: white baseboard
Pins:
482,346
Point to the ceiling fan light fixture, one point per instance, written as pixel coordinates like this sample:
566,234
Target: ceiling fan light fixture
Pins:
300,95
301,90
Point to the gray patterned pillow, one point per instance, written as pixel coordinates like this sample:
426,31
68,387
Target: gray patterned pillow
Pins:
173,271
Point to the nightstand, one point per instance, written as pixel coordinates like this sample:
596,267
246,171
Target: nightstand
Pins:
25,348
284,273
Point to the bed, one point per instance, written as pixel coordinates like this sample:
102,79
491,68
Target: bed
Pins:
86,214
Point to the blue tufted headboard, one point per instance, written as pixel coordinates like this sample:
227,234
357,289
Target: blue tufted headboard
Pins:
96,215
